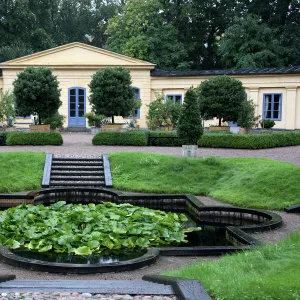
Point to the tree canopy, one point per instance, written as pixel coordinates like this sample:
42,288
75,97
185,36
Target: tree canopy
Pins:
111,92
221,97
37,92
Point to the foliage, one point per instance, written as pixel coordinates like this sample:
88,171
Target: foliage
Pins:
134,138
250,141
9,52
87,229
189,124
267,124
250,43
140,31
55,121
248,269
221,97
246,182
7,109
37,93
21,171
111,92
34,138
96,120
247,118
162,112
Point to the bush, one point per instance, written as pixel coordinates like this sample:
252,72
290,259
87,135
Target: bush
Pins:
250,141
267,124
165,142
55,121
5,136
128,138
34,138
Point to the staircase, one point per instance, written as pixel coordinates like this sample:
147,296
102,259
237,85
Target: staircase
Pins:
77,172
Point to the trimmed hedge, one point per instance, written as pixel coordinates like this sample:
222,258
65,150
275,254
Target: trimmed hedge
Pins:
165,142
250,141
34,138
128,138
4,134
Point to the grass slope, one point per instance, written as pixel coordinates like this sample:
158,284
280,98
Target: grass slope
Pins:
21,171
270,272
248,182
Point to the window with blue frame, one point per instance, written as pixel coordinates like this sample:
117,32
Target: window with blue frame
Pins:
175,98
272,106
136,113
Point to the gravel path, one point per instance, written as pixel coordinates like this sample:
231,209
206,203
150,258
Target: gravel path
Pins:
81,144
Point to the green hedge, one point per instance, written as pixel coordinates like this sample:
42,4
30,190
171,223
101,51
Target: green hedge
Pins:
4,134
128,138
250,141
34,138
165,142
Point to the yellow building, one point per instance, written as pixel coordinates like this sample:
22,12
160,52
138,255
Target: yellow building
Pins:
274,90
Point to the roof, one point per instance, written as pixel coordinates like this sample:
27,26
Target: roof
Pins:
76,55
246,71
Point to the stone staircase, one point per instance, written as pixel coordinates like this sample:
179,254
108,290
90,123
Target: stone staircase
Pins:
77,172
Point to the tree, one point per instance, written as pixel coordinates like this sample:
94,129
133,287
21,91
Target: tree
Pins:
14,51
189,127
111,92
247,118
37,93
140,31
7,109
162,113
250,43
221,97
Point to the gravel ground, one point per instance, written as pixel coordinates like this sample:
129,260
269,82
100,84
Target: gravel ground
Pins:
81,144
79,296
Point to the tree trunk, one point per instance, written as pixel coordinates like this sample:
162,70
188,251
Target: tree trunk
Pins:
112,119
220,121
40,121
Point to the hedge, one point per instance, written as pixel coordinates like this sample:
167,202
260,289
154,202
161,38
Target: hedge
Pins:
34,138
4,134
250,141
165,142
128,138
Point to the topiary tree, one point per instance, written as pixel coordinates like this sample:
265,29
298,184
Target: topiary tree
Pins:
111,92
189,127
221,97
7,110
37,92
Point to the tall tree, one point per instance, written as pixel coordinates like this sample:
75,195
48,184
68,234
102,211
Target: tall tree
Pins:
249,43
140,31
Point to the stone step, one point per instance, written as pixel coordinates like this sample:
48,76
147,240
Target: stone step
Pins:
77,159
75,163
77,173
78,184
79,179
74,168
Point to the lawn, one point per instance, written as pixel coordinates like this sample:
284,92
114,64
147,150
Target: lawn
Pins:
246,182
21,171
270,272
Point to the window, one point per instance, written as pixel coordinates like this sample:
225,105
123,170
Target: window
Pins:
272,106
174,98
136,113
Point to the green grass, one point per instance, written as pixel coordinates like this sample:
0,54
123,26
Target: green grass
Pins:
21,171
270,272
247,182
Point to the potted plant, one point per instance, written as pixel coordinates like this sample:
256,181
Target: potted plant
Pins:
56,122
96,121
267,124
189,127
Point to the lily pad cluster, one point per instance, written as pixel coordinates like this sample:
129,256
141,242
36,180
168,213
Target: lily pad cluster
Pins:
89,229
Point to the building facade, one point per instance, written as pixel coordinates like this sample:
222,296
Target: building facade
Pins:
275,91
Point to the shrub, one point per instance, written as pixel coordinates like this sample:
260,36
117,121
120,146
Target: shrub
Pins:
55,121
4,134
96,120
34,138
247,118
267,124
165,142
189,125
251,141
128,138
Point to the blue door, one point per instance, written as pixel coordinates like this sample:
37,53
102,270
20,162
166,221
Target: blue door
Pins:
77,106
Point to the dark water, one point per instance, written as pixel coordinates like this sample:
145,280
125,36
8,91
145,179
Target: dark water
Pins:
76,259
